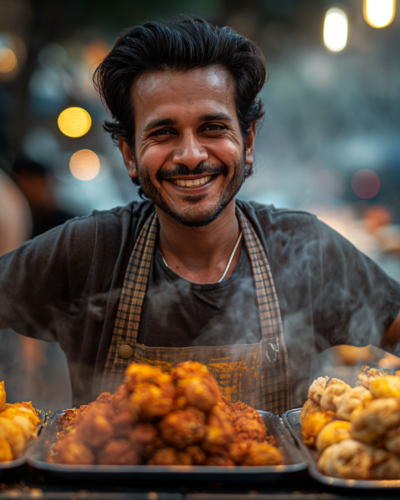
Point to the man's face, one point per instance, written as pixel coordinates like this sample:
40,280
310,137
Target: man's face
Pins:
189,150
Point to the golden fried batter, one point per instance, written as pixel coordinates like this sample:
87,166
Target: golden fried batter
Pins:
13,434
164,456
150,401
220,461
391,440
183,427
247,423
350,400
308,407
371,420
72,451
119,452
197,455
348,459
5,451
313,424
333,433
137,374
317,389
95,428
333,393
386,387
385,465
144,439
220,432
367,375
2,397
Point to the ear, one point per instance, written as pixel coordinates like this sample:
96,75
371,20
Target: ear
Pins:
128,157
250,144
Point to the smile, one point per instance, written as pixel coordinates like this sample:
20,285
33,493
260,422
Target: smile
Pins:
191,183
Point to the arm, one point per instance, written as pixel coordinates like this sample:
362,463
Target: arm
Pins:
3,324
391,336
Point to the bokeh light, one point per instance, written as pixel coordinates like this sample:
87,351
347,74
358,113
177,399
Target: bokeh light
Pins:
95,52
365,184
84,165
74,122
336,27
8,60
379,13
377,216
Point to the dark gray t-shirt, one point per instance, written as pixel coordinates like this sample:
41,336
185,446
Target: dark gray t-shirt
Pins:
178,313
65,286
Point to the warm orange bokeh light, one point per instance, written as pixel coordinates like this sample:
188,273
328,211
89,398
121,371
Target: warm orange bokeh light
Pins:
84,165
95,52
8,60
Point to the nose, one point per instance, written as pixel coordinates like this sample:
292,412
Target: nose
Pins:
189,151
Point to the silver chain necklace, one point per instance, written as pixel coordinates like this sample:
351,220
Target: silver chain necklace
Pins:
229,261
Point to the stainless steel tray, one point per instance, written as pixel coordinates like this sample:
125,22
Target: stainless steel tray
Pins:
292,420
294,462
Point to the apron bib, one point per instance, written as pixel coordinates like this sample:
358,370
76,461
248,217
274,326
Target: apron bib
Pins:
257,374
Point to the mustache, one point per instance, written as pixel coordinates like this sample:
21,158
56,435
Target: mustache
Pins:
202,168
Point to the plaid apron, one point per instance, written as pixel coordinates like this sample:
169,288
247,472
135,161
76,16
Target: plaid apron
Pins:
257,374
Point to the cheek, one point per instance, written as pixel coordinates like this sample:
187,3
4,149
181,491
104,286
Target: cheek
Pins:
227,152
153,158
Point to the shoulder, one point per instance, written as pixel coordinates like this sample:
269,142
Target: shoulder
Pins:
271,219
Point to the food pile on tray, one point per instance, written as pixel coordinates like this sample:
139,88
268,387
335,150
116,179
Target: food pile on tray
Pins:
156,418
18,424
355,430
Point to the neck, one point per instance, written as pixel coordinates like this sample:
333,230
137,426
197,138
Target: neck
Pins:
200,254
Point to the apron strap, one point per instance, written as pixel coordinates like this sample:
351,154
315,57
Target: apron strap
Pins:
274,347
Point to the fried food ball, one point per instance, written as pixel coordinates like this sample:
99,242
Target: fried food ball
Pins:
6,453
367,375
197,455
350,400
2,396
119,452
391,440
348,459
183,427
219,432
386,387
104,398
150,401
333,433
247,423
259,454
371,420
317,389
385,465
23,415
71,451
95,427
195,386
220,461
308,407
334,391
164,456
144,439
253,453
313,424
120,400
13,434
138,374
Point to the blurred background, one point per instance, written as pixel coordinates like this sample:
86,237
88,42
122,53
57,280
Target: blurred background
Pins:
330,143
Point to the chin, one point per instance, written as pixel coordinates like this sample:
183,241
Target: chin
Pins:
196,216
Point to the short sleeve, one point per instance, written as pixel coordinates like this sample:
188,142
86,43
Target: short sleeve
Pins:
354,300
41,282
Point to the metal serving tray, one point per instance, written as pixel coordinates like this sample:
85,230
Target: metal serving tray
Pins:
292,420
294,462
6,467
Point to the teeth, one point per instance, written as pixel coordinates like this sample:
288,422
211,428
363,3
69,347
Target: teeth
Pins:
192,182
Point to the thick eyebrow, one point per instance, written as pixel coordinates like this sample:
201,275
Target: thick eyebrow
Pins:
216,117
159,123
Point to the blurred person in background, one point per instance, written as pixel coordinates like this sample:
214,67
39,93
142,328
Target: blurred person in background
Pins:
38,184
193,273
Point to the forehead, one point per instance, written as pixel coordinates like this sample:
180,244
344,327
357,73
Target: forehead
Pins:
161,94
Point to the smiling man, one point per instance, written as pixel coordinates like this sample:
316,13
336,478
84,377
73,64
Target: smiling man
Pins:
192,273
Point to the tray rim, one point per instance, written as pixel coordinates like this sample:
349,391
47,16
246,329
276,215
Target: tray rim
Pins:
314,472
300,463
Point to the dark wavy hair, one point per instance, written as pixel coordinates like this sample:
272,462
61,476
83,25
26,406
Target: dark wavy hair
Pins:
183,43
